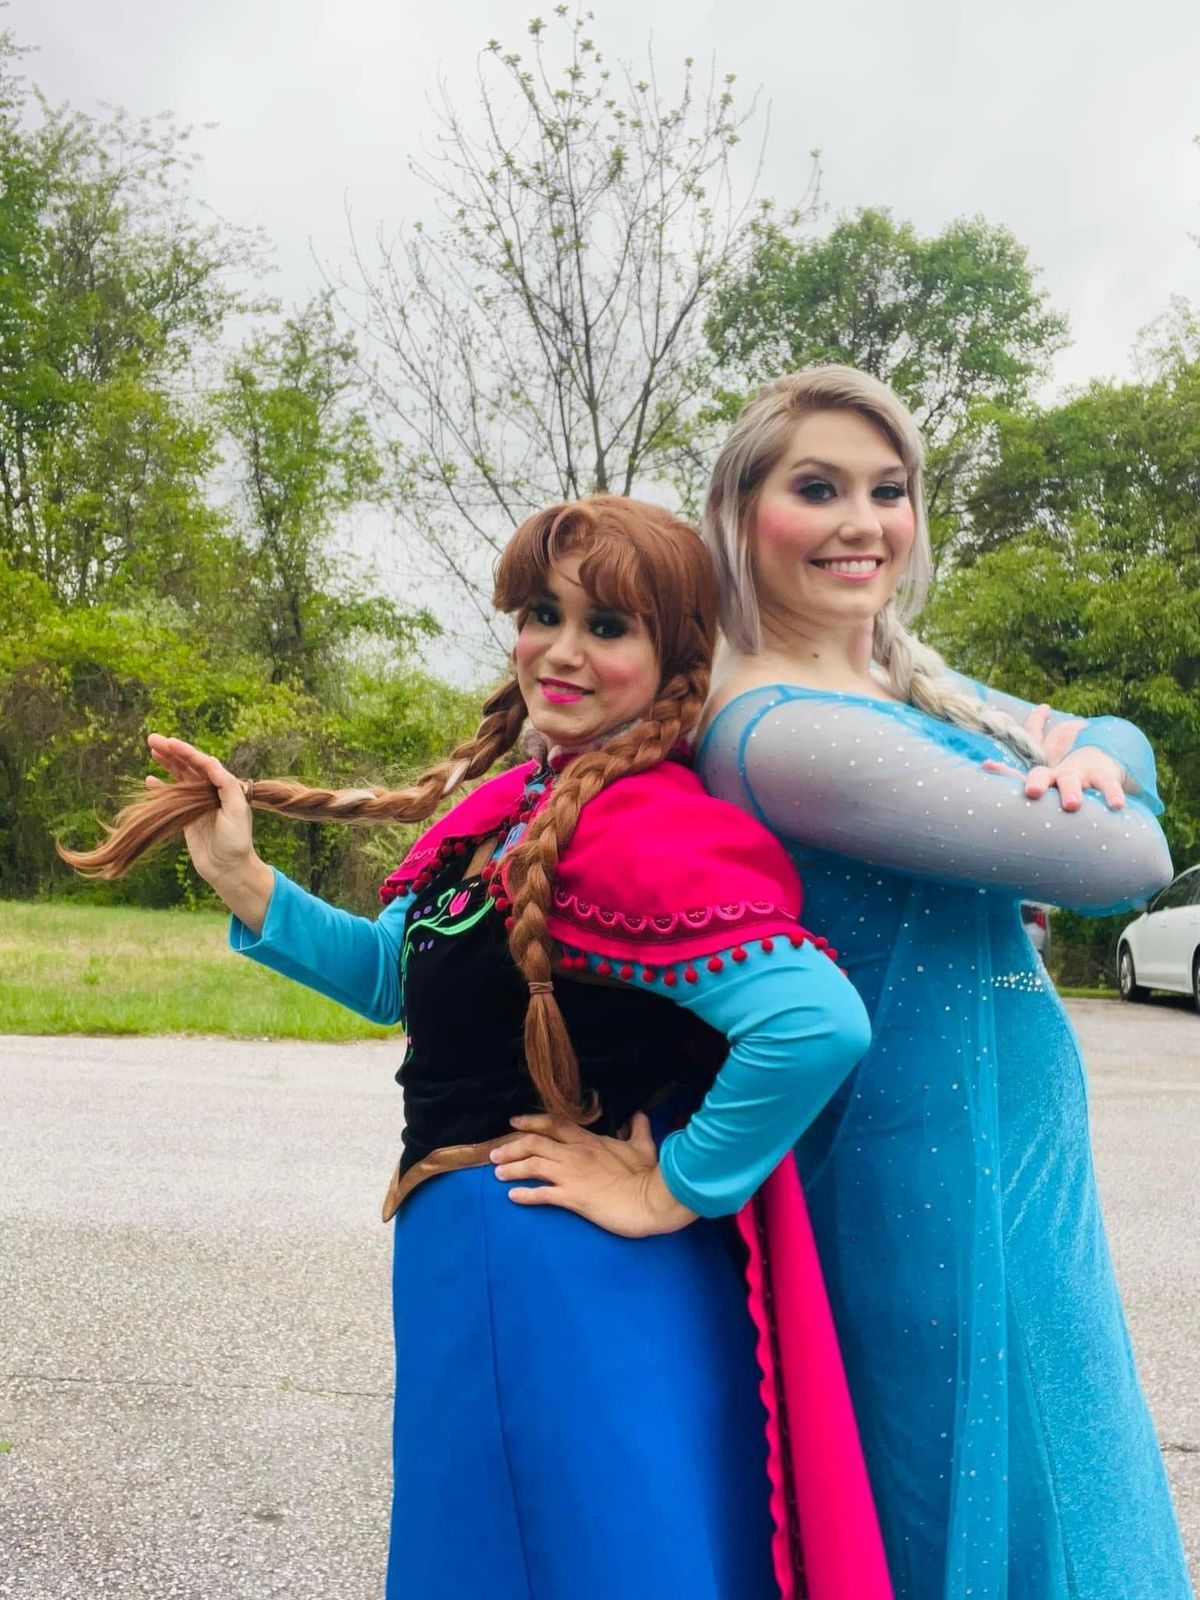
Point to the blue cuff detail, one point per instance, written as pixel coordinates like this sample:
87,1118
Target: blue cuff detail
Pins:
1128,746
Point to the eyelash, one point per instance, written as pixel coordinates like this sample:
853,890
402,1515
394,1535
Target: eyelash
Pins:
891,492
546,616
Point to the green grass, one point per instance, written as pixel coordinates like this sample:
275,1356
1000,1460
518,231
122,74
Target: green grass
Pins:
68,968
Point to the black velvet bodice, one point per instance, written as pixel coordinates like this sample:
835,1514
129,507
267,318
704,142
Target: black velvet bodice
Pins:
464,1074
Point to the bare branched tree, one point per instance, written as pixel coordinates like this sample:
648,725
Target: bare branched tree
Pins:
543,338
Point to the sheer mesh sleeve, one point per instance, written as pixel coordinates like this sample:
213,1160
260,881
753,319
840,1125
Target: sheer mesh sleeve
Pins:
1124,742
889,785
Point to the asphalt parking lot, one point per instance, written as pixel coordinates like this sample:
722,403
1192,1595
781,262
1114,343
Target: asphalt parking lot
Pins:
194,1318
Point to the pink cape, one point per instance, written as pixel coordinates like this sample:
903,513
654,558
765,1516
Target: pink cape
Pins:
827,1544
648,873
646,881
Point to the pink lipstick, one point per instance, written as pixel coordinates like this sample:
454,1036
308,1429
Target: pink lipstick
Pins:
560,694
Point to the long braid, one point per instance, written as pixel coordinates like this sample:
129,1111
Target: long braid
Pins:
531,867
166,811
917,674
636,558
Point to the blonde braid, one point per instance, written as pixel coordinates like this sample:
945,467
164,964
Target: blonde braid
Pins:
917,674
168,810
532,865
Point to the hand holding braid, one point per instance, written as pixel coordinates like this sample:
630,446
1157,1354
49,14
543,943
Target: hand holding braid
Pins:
532,865
209,806
220,841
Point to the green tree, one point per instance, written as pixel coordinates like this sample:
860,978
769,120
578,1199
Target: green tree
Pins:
301,447
132,597
111,293
955,323
1079,579
80,687
302,451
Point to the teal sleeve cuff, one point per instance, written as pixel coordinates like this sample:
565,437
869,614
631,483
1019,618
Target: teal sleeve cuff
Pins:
353,960
796,1028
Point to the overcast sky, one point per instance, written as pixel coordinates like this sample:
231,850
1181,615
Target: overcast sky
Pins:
1071,123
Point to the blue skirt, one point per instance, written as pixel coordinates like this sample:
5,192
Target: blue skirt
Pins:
577,1415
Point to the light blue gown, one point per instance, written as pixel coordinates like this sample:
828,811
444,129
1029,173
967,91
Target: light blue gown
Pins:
950,1180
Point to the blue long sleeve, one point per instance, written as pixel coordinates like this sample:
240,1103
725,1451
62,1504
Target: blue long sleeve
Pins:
353,960
1121,740
1129,745
796,1027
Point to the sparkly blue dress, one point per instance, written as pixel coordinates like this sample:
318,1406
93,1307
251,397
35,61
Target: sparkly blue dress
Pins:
950,1180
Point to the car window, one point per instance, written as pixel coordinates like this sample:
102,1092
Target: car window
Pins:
1179,893
1193,880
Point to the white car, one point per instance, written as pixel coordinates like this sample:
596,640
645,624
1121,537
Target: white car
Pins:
1161,949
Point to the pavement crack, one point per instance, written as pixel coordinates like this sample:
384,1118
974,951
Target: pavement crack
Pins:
280,1386
1180,1448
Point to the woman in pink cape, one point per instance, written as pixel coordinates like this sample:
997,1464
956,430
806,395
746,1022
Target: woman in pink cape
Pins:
584,939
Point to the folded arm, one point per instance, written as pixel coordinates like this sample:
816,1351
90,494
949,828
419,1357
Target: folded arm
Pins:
888,785
1123,741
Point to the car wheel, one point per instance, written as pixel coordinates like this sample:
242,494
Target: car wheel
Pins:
1196,979
1127,982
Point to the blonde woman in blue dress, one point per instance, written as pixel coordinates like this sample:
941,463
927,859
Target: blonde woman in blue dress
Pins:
950,1181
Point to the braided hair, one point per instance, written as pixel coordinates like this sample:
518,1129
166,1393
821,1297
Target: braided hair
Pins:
636,558
151,818
644,561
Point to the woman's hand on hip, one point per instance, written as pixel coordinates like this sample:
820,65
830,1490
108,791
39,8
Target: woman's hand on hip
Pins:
615,1183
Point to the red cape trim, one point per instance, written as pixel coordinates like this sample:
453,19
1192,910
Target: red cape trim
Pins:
474,817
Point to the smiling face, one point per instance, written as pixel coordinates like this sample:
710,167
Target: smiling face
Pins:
833,526
583,669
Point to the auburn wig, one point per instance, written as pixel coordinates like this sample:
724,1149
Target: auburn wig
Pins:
636,558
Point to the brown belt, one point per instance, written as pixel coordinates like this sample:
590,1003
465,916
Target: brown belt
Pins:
450,1158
